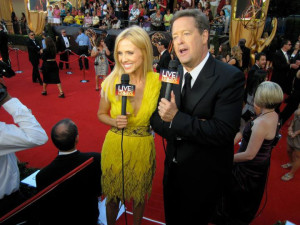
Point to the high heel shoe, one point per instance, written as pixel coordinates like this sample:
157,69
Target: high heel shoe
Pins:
44,93
62,95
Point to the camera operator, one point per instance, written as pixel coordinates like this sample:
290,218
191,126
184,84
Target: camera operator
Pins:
4,45
13,138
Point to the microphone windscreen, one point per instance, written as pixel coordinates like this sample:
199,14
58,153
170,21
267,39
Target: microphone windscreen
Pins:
125,79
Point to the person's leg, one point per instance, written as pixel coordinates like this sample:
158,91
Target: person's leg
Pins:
97,82
112,209
60,88
61,64
44,89
138,212
80,59
296,162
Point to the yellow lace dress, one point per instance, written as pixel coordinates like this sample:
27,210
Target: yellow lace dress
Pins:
138,148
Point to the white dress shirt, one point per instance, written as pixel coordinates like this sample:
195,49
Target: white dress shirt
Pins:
66,41
195,72
27,134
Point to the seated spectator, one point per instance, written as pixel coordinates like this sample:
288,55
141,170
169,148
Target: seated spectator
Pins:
156,21
185,4
75,201
68,19
118,8
74,12
134,15
106,23
145,22
167,19
95,20
141,9
63,12
115,22
79,19
212,50
27,134
151,7
88,21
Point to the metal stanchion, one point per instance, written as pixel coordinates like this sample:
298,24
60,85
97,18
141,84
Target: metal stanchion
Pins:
68,52
17,52
83,66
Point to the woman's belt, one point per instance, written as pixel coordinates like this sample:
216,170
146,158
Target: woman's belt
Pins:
133,131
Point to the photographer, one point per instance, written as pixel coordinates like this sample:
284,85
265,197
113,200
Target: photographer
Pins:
13,138
100,51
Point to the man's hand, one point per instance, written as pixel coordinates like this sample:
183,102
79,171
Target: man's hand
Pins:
167,109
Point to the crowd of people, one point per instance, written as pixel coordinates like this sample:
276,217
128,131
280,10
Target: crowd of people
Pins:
201,121
149,14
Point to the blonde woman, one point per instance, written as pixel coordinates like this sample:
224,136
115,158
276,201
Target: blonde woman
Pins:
133,55
252,161
236,57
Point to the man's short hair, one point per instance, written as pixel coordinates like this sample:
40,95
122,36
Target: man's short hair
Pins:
164,42
201,20
259,55
284,42
64,138
81,30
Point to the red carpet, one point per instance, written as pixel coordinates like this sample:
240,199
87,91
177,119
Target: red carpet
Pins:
81,105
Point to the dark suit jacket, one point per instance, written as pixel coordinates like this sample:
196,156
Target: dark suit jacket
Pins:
249,77
60,44
110,43
3,41
245,57
163,62
33,51
208,129
281,70
75,201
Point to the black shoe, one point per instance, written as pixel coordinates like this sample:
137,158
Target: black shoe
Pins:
62,95
44,93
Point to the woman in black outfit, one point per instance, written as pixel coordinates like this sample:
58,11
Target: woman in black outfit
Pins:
251,164
15,23
49,67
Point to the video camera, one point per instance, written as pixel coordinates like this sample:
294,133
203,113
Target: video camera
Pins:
5,70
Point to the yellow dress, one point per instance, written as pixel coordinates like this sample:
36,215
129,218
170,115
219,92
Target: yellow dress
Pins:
138,148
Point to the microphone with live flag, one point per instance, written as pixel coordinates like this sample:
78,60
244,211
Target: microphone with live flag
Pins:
170,76
125,89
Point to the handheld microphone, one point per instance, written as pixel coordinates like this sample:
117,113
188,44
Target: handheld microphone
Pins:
170,76
125,89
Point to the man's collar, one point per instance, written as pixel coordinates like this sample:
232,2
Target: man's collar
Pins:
66,153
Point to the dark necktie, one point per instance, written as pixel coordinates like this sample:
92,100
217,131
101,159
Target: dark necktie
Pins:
186,90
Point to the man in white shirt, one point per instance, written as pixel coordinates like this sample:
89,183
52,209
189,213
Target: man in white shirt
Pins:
13,138
134,15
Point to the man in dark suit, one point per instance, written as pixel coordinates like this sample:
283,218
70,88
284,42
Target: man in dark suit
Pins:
4,46
34,53
260,64
281,65
75,201
199,123
63,44
165,57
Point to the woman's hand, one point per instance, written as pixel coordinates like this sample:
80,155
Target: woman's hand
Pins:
121,121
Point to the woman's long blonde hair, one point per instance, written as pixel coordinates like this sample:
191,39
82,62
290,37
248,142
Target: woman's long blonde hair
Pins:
139,37
237,54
